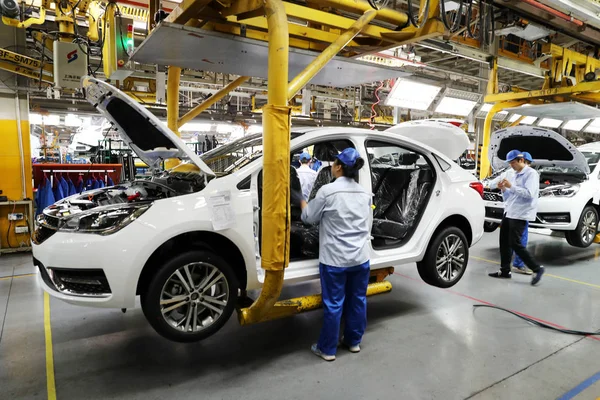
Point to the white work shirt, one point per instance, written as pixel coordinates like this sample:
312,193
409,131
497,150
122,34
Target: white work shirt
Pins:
307,179
343,209
521,200
508,174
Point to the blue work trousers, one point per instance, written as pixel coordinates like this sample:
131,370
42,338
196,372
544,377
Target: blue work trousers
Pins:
524,238
344,292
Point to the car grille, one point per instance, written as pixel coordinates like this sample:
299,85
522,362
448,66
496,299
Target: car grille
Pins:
554,218
81,281
489,195
51,222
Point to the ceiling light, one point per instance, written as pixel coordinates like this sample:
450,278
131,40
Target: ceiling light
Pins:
51,119
528,120
72,120
411,94
454,106
225,128
35,119
550,123
575,124
594,127
196,127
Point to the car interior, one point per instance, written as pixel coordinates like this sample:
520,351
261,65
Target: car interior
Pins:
401,179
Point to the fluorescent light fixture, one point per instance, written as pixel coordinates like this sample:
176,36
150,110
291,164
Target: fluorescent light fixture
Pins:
35,119
576,124
51,119
594,127
72,120
225,128
528,120
252,129
195,127
550,123
139,25
487,107
454,106
411,94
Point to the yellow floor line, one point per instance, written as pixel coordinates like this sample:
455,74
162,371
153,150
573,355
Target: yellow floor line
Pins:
49,352
16,277
550,275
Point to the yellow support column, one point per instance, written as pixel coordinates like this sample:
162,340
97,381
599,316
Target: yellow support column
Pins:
276,172
15,162
173,79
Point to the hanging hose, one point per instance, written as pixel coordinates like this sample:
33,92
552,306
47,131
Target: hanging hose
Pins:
470,33
373,112
423,15
539,323
452,27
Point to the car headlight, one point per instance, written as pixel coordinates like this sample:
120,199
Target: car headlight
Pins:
104,222
561,191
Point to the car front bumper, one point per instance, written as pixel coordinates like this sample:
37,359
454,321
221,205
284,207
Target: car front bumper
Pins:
552,213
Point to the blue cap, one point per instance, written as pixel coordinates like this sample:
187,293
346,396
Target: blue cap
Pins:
513,154
527,156
348,156
305,156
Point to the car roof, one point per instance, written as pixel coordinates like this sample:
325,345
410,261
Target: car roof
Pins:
593,147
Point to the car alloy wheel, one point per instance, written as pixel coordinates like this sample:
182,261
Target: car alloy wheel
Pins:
590,226
194,297
450,260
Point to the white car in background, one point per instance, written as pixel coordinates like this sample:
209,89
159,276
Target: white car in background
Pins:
187,241
569,182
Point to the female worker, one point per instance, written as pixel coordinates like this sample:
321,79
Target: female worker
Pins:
343,210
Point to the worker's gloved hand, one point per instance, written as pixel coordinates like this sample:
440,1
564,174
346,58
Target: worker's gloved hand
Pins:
296,197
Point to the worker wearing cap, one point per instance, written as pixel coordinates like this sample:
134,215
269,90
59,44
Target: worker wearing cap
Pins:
520,194
306,175
343,210
518,264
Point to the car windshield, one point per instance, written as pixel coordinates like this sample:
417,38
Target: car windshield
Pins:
592,159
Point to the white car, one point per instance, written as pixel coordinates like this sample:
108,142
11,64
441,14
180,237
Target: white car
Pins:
199,224
569,192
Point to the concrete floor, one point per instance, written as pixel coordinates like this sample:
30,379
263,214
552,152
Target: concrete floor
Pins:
421,342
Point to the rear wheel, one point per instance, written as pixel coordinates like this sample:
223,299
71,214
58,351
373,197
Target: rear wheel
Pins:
490,227
587,228
446,258
191,297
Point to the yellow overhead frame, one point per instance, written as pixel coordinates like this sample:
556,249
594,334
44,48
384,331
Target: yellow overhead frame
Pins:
28,22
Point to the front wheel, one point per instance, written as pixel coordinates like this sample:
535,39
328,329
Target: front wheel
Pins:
191,297
587,228
446,258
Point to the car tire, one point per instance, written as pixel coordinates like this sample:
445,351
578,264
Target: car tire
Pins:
450,270
490,227
213,297
587,228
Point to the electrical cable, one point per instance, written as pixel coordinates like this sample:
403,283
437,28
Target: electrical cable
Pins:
455,25
539,323
9,226
423,16
373,112
470,33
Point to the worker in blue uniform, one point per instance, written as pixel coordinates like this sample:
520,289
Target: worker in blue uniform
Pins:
518,264
343,210
520,194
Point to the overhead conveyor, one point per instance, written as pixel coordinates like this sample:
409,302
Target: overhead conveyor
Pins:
317,42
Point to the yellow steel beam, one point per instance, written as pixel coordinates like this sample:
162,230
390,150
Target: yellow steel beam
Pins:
187,10
28,22
584,87
322,59
360,6
286,308
487,133
44,39
24,61
294,30
276,155
173,80
432,28
193,113
25,72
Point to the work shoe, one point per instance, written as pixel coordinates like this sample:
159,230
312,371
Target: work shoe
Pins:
538,276
352,349
315,349
522,270
500,274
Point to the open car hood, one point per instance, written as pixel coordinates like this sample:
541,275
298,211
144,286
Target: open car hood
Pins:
143,132
444,137
547,148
